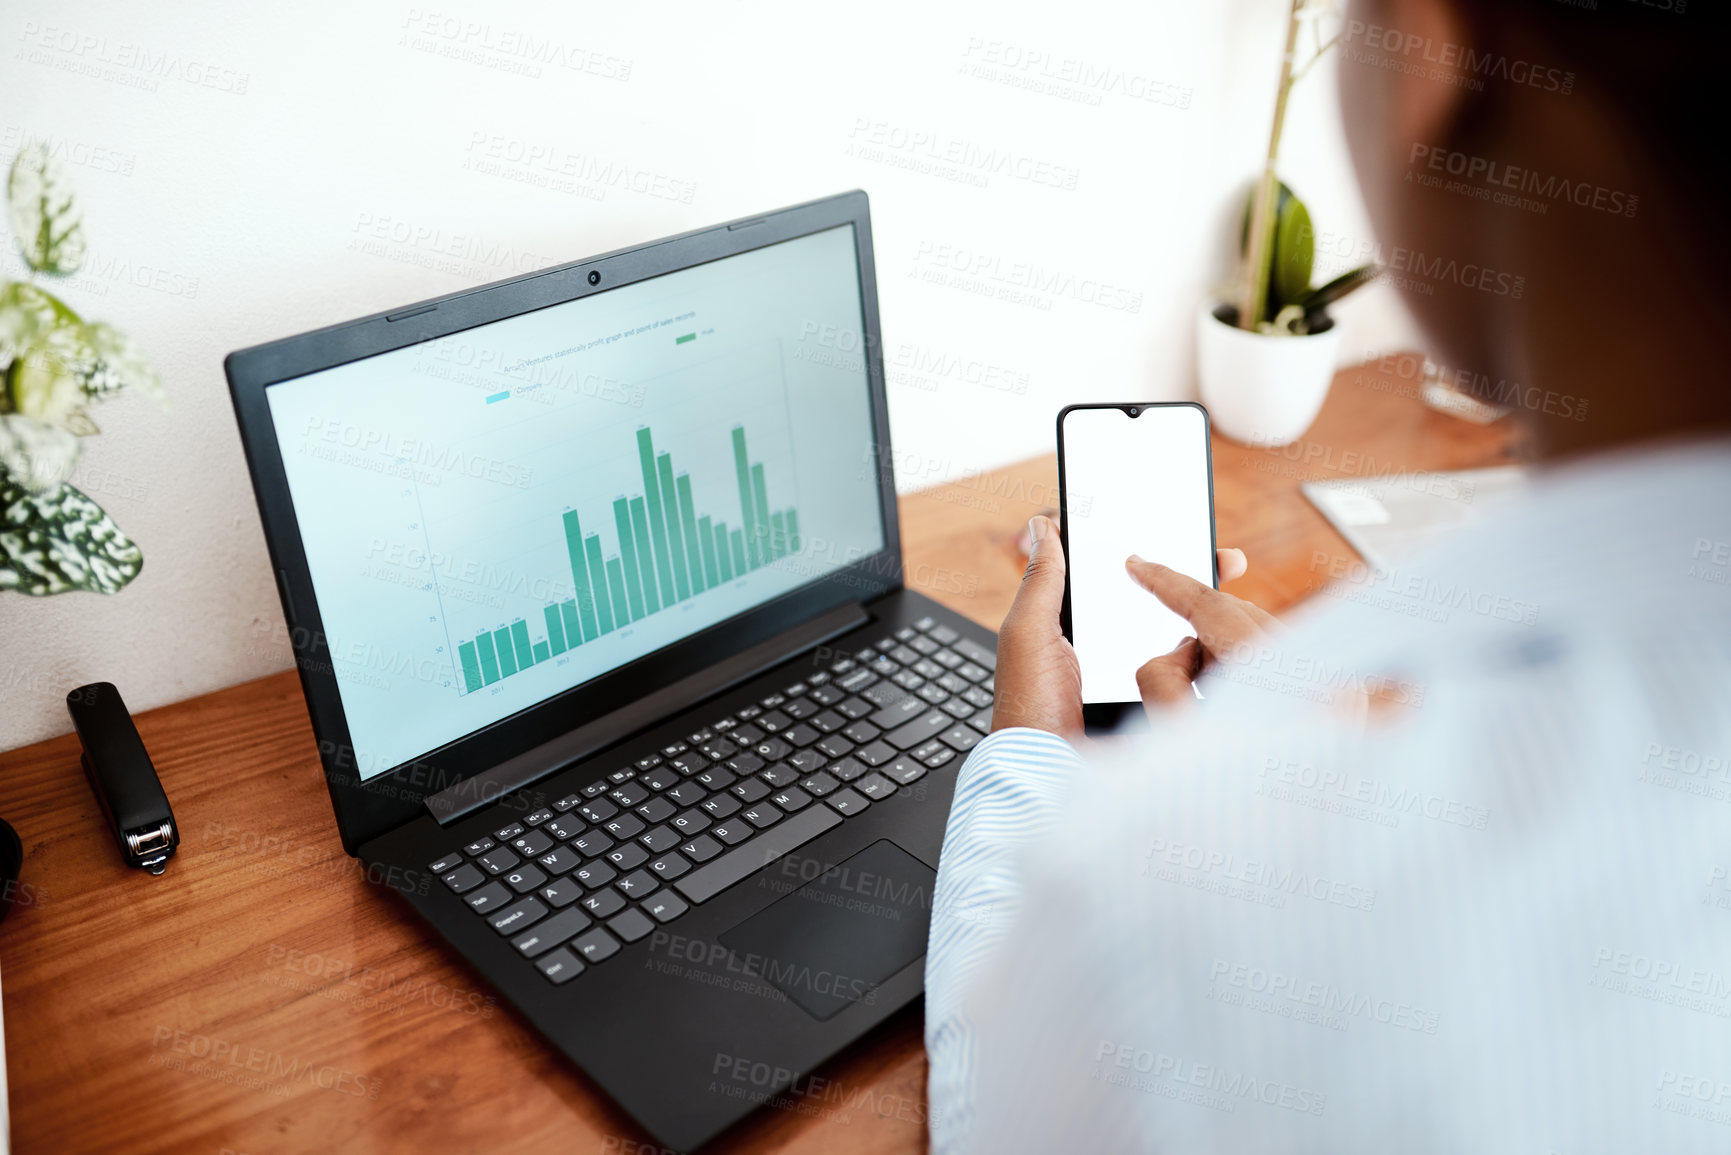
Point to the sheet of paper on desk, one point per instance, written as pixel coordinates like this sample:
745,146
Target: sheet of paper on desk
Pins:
1389,520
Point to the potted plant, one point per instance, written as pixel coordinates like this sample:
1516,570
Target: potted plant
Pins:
54,366
1266,355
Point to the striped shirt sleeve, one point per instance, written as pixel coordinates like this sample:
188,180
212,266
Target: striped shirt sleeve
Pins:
1008,794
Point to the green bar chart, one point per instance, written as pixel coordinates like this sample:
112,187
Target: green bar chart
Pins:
672,544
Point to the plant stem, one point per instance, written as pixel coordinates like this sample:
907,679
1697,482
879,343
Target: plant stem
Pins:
1253,288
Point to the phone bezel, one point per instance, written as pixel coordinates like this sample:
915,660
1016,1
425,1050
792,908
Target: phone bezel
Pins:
1106,716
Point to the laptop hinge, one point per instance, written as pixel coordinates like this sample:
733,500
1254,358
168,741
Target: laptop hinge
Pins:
487,787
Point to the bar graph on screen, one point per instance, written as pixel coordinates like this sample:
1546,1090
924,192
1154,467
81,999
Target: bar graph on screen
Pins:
649,552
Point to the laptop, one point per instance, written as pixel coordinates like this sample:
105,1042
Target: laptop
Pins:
596,592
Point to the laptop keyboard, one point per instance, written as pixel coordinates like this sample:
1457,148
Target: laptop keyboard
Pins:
570,883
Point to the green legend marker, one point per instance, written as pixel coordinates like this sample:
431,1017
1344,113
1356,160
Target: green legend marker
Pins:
684,339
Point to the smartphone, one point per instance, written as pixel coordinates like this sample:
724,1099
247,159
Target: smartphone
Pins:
1133,478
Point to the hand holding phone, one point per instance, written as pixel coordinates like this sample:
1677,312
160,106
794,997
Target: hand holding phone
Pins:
1134,479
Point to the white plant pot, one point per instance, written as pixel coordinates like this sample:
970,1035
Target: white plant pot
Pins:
1260,389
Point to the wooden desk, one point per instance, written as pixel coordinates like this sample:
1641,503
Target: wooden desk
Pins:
263,996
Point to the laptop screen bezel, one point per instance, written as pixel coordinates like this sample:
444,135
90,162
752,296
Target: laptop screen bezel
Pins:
367,808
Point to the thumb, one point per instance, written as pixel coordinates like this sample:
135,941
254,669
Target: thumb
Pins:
1041,597
1165,681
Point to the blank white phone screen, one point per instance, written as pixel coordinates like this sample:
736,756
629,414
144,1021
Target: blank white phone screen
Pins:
1132,485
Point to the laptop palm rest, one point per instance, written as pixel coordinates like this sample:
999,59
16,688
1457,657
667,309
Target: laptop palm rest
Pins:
830,942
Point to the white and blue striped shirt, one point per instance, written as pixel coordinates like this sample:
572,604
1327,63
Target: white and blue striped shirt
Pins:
1496,918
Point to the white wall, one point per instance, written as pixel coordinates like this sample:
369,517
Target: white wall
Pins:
245,169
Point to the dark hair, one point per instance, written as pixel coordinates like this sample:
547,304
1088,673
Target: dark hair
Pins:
1659,64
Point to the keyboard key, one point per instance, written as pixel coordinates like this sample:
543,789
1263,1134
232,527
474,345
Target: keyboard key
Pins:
800,708
861,731
690,822
771,750
687,794
708,881
856,680
627,856
982,721
622,775
774,722
689,764
750,790
973,673
498,860
446,863
781,774
595,789
975,652
489,897
658,839
648,760
701,849
656,810
507,833
534,843
565,828
660,778
626,826
525,878
934,694
637,884
596,874
603,903
922,729
906,634
954,684
828,722
569,802
905,770
855,708
949,659
820,784
747,763
944,635
827,695
908,680
562,892
791,799
807,761
629,794
926,668
597,810
593,845
560,966
904,709
716,778
595,945
835,746
517,916
802,735
904,655
958,709
875,786
884,695
748,735
537,817
926,623
479,847
733,831
665,906
670,866
934,754
721,805
963,738
540,939
632,925
847,769
772,701
875,754
762,815
977,697
847,803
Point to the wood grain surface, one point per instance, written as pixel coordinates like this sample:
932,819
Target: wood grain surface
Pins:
263,995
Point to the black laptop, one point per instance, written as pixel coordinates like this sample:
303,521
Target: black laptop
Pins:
595,587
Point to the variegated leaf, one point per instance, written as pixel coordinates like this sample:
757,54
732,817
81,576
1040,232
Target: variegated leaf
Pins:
46,217
60,541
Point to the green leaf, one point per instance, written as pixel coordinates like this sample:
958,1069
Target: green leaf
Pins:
1294,253
37,456
1348,282
60,541
46,216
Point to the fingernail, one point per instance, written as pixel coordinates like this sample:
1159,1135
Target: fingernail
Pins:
1138,559
1036,528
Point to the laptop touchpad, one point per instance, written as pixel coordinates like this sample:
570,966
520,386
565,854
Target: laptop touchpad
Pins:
850,926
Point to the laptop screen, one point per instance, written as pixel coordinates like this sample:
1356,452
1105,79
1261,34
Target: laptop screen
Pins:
493,517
